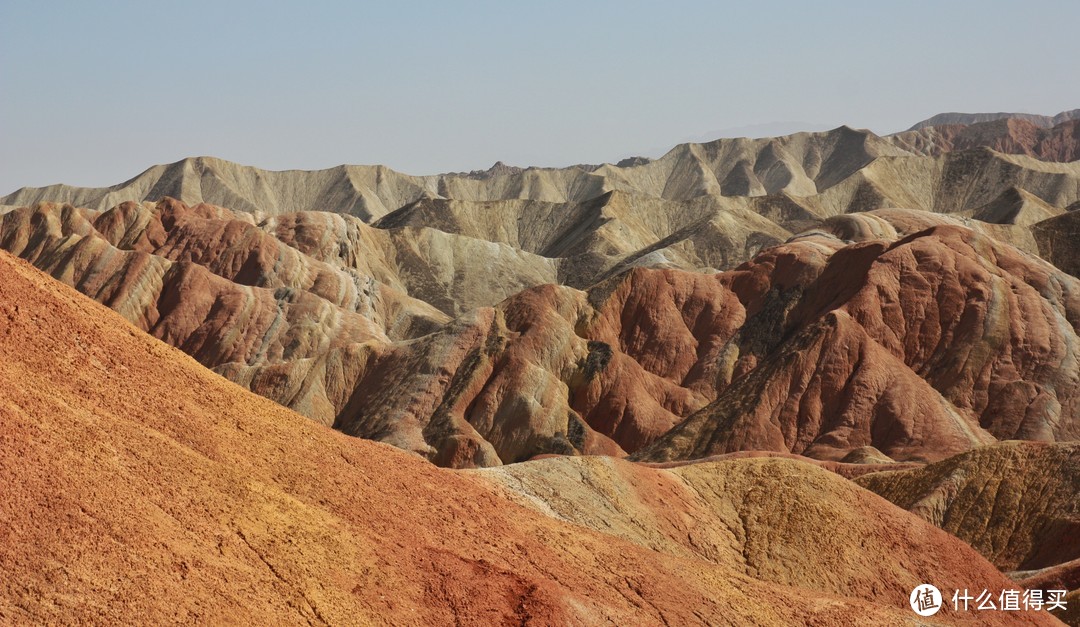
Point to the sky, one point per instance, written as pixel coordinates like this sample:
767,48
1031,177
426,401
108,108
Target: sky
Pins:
93,93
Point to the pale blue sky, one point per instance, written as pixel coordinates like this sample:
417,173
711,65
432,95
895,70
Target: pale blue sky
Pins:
92,93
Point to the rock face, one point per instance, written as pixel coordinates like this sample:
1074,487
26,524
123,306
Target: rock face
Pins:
1057,241
922,348
141,487
1017,503
814,294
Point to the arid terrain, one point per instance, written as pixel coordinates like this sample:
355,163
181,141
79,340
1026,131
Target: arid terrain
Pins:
754,381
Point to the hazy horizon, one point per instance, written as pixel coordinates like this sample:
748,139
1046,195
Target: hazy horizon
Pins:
95,94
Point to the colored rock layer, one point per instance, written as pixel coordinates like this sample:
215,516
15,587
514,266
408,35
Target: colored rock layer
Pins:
900,330
1017,503
691,357
921,347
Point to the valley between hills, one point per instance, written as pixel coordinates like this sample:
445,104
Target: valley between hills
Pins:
754,381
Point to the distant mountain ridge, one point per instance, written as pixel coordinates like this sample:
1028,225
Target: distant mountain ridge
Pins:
1044,121
803,165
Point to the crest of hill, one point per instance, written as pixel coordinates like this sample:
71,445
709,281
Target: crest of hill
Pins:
143,488
793,182
802,164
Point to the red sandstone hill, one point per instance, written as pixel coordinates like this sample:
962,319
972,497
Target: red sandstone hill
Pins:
921,347
141,488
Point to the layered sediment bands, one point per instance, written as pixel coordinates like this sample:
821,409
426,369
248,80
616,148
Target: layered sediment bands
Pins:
800,163
826,391
762,515
654,351
604,235
1017,503
143,488
1009,135
816,348
700,206
553,370
874,292
921,347
921,338
786,182
992,329
65,241
453,273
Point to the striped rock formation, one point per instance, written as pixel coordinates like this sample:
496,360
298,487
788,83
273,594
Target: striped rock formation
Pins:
901,330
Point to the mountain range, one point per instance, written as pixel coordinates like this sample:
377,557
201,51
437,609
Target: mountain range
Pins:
751,368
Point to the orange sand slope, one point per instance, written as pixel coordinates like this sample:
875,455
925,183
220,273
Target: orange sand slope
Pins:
139,487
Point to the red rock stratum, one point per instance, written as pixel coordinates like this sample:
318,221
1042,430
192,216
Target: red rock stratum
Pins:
921,347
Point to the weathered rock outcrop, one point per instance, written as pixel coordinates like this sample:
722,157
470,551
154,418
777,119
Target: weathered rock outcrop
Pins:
921,347
1059,240
875,292
1017,503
